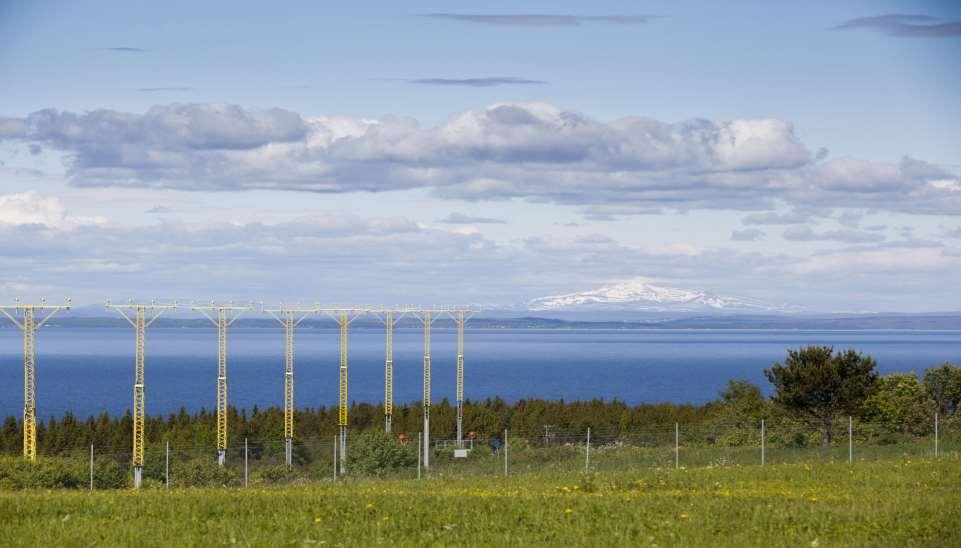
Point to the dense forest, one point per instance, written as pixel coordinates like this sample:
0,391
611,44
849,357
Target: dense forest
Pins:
814,387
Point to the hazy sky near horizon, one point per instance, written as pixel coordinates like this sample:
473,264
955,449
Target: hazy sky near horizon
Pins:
438,152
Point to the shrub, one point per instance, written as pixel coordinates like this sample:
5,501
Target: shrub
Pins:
204,472
374,452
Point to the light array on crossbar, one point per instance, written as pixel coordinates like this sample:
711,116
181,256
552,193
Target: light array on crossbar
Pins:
222,315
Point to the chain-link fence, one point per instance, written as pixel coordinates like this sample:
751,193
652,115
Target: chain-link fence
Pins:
262,462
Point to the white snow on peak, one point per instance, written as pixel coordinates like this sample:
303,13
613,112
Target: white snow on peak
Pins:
640,294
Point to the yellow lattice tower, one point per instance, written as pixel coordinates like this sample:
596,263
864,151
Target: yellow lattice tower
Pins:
143,316
24,316
226,316
290,317
343,316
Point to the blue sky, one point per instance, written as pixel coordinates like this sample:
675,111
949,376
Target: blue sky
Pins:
314,151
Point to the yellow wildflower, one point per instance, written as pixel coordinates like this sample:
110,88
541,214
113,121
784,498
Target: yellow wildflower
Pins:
567,510
683,515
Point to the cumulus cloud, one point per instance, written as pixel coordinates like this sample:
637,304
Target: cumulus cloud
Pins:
335,259
462,219
347,258
807,234
747,235
489,81
905,25
541,19
530,151
28,208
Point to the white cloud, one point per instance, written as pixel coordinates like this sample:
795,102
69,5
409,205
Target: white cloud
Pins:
346,258
531,151
26,208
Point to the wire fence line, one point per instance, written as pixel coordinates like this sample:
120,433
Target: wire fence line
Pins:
262,462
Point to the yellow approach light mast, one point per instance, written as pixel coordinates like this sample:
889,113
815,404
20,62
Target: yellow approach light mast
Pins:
344,316
460,317
25,316
389,317
290,317
143,316
226,315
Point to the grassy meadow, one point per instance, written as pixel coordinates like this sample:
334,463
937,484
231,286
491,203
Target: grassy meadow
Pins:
900,501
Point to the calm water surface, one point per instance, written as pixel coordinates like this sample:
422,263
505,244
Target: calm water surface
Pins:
91,370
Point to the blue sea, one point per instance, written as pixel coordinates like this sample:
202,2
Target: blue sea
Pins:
89,370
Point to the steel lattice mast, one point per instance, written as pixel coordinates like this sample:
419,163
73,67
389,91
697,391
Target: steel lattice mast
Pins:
425,315
343,316
290,318
387,317
226,315
460,317
140,323
28,323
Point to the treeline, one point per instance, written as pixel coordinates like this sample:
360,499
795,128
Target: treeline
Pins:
813,388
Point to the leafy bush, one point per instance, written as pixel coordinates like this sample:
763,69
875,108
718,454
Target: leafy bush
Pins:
59,473
374,452
203,472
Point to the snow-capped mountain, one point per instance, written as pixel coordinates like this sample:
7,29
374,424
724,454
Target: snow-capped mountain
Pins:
638,294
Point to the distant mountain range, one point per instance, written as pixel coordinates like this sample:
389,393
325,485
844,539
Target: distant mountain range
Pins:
640,295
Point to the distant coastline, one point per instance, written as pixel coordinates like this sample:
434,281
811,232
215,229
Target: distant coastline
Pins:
835,322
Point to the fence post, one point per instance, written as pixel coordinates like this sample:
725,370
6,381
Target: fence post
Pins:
677,445
418,455
850,440
935,435
587,455
762,442
167,465
505,452
335,458
91,467
245,464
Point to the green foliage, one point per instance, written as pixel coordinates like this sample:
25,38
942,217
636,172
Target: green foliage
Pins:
202,472
375,451
60,473
900,403
742,403
943,383
819,384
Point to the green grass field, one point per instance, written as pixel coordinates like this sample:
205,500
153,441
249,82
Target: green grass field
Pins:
888,502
